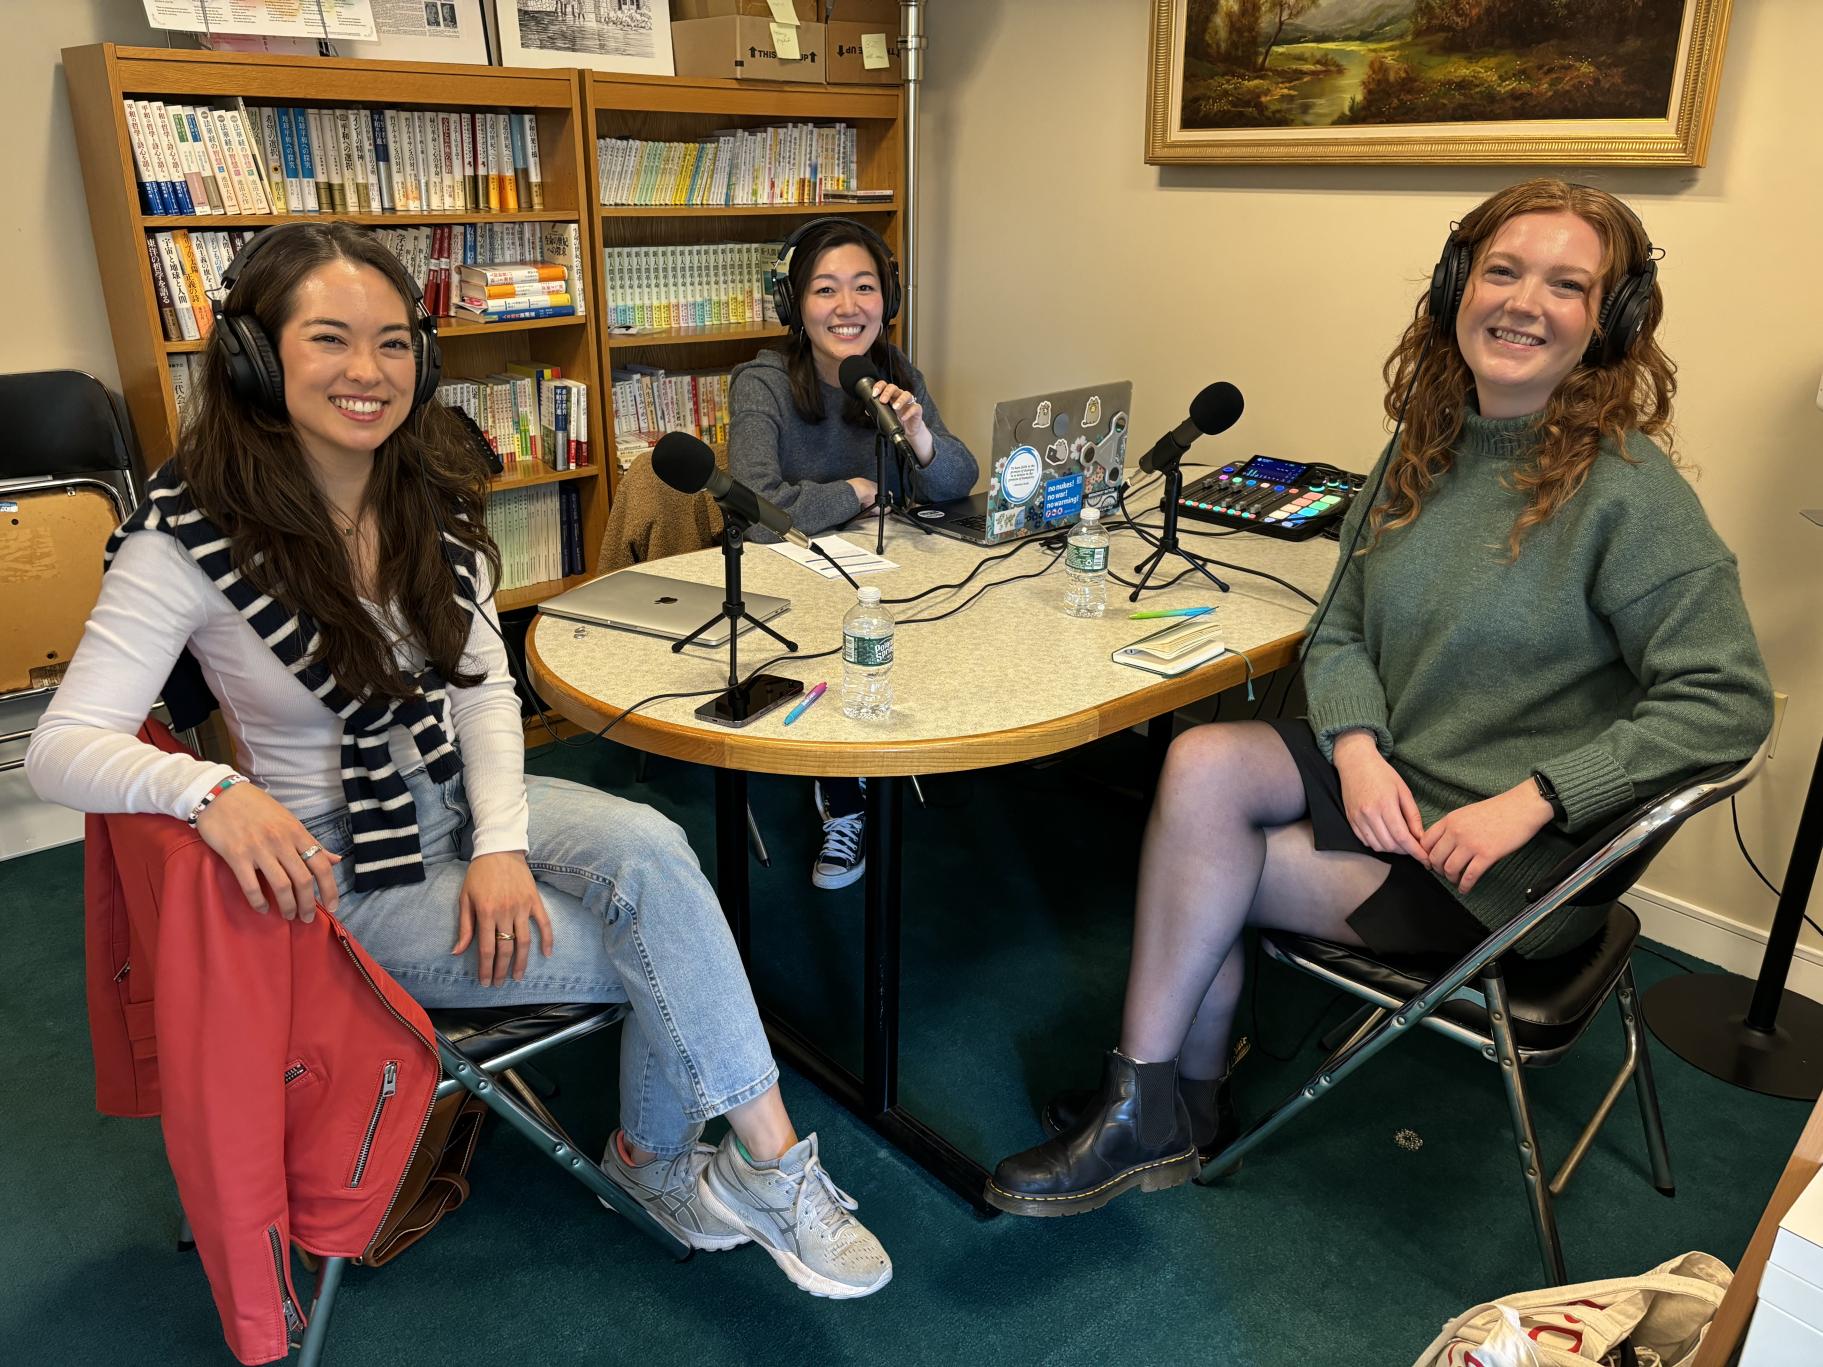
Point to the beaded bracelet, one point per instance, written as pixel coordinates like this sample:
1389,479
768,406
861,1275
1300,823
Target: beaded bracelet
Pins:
214,793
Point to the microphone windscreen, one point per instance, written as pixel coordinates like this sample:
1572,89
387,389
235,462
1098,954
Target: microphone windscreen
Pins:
855,369
1217,408
683,462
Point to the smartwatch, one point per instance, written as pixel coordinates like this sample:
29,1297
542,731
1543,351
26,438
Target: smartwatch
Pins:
1549,794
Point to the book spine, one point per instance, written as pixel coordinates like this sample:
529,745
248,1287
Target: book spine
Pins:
250,166
518,315
382,159
272,151
193,282
190,161
161,287
522,184
471,183
221,155
173,269
164,149
151,193
522,273
292,118
349,181
534,166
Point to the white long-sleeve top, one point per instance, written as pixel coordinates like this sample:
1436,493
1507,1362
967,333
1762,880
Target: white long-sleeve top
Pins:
155,600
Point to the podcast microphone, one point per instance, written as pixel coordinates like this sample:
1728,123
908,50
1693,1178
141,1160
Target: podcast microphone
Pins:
858,377
688,466
1214,410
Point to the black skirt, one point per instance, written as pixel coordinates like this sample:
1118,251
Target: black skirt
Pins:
1412,912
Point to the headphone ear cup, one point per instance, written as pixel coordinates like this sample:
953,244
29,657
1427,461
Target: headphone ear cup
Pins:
778,284
427,354
253,365
1622,315
1449,281
894,291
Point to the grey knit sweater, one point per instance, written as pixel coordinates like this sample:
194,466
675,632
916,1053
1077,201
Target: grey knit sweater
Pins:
1614,656
805,467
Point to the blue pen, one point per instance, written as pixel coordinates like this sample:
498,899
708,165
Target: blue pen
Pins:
1167,612
804,706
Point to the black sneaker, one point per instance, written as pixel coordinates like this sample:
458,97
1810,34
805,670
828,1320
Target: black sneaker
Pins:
842,859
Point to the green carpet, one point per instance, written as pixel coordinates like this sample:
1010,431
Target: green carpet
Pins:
1335,1245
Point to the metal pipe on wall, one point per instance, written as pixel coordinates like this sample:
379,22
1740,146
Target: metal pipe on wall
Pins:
911,38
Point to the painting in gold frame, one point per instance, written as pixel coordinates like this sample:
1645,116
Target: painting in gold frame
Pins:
1417,82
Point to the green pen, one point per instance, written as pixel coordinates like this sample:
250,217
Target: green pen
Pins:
1167,612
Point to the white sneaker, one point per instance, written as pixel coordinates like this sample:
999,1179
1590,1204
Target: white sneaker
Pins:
670,1189
841,860
795,1212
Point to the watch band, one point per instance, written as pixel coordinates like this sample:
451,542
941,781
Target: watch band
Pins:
1549,794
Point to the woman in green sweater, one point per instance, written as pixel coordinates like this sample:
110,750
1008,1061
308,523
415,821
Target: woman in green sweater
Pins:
1532,628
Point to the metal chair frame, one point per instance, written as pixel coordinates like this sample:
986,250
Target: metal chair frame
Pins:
1476,978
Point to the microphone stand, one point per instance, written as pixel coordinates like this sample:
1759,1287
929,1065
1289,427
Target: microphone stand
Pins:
881,497
1167,543
738,703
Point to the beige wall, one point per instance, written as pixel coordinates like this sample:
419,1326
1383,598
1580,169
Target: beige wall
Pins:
58,316
1053,255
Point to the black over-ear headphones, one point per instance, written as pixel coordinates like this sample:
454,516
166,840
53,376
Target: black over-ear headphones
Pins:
1623,312
253,361
778,278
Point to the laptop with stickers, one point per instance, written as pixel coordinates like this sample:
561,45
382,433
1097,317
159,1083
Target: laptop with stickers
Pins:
1052,452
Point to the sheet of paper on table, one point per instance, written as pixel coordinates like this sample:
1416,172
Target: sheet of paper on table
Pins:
855,559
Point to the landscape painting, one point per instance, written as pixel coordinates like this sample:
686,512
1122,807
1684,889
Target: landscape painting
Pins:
1564,81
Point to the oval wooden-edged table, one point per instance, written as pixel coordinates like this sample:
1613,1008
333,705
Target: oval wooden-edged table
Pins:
981,676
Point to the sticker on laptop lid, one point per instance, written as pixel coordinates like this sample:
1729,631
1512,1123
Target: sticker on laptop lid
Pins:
1019,476
1091,412
1043,418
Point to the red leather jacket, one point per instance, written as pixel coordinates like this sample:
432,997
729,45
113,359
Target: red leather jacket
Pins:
293,1075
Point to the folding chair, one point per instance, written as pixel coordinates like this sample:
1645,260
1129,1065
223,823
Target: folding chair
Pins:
478,1047
1517,1012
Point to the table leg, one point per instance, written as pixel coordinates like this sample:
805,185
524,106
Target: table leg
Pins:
880,954
731,869
874,1096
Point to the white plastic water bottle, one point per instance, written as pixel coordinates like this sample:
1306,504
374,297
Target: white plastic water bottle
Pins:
1085,566
867,658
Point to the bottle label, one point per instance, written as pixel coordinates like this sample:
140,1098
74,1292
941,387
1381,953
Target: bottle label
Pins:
1087,559
869,652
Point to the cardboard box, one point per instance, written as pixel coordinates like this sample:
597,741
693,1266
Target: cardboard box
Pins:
740,46
844,64
868,12
808,11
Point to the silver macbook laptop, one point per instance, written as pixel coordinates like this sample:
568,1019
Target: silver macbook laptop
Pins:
656,606
1052,453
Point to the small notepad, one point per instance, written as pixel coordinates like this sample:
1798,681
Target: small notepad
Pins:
1177,649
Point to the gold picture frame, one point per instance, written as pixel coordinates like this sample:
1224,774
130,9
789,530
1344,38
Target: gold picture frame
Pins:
1236,112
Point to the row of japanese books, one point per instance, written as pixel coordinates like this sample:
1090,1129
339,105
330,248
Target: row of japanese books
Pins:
538,531
480,272
785,164
648,401
492,272
530,415
287,159
712,284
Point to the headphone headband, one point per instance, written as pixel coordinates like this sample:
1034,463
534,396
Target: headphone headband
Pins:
252,358
778,277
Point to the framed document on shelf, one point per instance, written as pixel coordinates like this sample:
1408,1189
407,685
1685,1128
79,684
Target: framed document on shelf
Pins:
423,31
631,36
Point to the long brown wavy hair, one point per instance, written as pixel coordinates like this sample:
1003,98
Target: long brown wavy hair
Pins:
800,364
1592,403
247,472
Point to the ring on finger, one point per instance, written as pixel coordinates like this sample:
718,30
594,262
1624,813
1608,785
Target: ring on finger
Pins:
503,935
311,853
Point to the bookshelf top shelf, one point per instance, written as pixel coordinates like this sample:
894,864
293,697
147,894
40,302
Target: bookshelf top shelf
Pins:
609,211
208,221
705,95
152,71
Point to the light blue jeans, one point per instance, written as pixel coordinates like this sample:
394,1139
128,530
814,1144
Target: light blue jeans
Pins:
633,920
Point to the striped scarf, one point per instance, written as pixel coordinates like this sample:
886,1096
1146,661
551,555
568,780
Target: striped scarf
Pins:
386,849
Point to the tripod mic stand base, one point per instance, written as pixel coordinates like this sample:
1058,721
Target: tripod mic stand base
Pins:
749,700
1702,1018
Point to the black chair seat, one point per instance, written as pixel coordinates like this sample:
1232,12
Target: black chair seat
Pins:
485,1032
1552,1000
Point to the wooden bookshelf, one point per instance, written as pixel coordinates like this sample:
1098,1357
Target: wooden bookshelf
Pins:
689,108
100,77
